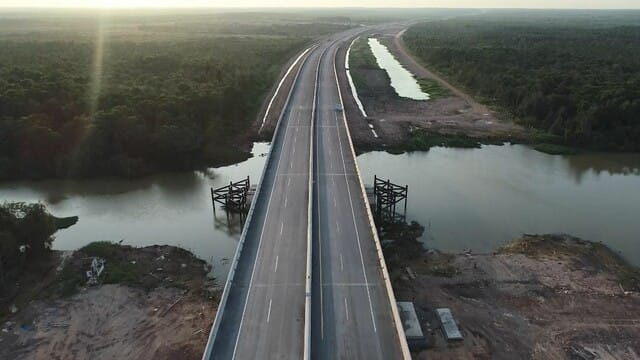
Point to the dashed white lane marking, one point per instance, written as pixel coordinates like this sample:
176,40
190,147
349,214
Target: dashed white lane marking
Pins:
341,263
346,308
288,181
286,200
269,312
276,268
337,226
281,227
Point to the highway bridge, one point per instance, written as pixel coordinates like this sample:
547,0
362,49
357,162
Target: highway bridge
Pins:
308,280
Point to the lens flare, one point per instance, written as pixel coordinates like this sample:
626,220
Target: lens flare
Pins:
98,61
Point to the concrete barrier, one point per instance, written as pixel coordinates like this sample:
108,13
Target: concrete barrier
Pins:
385,274
236,257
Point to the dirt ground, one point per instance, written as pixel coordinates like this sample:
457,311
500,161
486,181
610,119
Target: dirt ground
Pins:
393,118
542,297
116,321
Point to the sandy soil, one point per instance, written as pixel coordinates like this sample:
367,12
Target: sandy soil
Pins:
116,321
545,305
393,117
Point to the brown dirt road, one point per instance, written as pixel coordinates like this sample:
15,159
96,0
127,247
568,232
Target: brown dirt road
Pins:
410,62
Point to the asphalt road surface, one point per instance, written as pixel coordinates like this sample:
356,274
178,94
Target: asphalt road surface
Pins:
264,317
351,315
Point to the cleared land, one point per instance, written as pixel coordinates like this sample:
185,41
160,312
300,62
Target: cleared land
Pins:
540,297
150,303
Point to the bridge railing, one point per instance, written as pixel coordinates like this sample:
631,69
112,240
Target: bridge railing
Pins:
238,253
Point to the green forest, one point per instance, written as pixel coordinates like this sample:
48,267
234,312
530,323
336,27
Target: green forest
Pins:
121,98
573,75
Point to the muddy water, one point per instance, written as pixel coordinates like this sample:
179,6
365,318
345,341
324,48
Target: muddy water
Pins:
481,198
402,80
171,209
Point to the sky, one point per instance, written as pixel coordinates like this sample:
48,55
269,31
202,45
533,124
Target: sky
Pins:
574,4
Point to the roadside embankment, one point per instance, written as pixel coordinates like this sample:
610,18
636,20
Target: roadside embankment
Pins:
540,296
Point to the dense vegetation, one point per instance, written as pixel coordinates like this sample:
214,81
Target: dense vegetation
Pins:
164,101
25,237
576,75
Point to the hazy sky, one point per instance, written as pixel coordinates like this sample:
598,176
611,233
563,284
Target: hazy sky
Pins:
582,4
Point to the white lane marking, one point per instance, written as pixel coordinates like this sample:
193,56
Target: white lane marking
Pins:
294,151
289,182
253,272
269,312
346,308
281,226
276,268
355,226
286,200
291,164
335,203
337,226
341,263
317,166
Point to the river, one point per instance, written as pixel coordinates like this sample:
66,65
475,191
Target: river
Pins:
166,209
466,198
481,198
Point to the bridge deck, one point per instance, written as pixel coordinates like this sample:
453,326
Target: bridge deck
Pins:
352,316
262,315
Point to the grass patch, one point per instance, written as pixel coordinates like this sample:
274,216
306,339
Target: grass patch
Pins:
555,149
421,140
361,55
143,268
433,88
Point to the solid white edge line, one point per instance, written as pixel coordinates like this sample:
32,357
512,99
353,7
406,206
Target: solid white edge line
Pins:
309,282
275,94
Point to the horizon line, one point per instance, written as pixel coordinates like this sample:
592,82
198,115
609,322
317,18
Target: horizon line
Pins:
213,7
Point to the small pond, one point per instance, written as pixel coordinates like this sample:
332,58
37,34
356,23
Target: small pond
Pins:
402,80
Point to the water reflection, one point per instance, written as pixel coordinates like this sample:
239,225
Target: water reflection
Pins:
172,209
481,198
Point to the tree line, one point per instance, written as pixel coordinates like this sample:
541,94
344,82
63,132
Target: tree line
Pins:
161,105
569,78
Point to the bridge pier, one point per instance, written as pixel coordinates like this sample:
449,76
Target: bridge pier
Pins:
385,198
